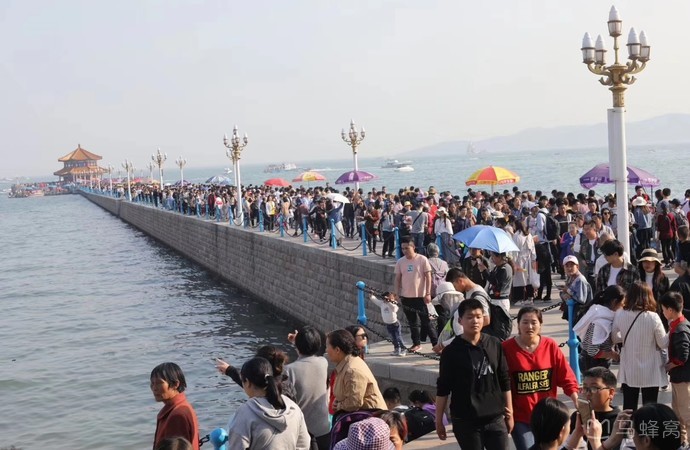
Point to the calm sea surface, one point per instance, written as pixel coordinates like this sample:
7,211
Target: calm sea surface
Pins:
90,305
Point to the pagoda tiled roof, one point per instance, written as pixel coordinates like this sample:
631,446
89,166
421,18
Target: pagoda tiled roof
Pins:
80,154
80,171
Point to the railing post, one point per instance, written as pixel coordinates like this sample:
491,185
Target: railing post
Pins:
206,208
573,342
281,225
363,234
219,438
217,214
261,220
334,238
440,246
304,228
361,309
198,210
231,216
398,250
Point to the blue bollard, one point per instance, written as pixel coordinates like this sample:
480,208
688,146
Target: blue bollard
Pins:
198,210
398,250
217,214
218,438
280,224
573,342
261,220
440,246
231,216
364,239
207,213
334,238
304,228
361,309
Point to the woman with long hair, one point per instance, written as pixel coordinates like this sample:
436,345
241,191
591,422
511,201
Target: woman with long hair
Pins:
650,272
525,264
594,329
537,369
638,328
268,419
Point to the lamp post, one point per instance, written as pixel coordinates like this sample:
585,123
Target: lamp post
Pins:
159,158
617,76
110,177
181,162
150,166
129,167
234,147
353,139
90,178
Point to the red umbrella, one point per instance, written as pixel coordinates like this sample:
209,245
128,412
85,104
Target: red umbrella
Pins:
280,182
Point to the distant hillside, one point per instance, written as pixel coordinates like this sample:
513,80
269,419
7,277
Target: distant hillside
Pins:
667,129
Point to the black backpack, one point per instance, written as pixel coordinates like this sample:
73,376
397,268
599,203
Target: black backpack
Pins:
419,423
552,227
501,325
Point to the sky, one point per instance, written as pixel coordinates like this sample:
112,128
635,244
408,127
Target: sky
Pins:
124,78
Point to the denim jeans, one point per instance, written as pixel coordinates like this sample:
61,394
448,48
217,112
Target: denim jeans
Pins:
522,436
396,335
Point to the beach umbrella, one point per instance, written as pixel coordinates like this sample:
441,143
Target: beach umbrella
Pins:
309,176
355,176
338,197
492,176
600,174
487,238
218,179
279,182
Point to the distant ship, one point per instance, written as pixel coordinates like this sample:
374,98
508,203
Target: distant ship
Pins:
404,168
284,167
395,164
472,150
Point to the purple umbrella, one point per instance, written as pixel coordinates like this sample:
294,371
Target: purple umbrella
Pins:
355,177
600,174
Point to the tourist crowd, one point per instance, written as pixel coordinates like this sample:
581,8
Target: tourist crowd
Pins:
491,384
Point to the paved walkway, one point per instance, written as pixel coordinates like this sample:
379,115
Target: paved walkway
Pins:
416,370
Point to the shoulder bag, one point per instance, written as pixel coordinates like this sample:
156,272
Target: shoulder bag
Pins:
630,328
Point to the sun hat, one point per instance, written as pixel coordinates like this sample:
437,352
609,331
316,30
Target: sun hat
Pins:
571,259
407,203
639,201
649,254
368,434
442,209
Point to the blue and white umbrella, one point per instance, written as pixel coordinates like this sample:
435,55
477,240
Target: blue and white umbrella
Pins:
487,238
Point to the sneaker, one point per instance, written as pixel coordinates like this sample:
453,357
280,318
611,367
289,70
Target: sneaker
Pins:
402,352
415,348
395,353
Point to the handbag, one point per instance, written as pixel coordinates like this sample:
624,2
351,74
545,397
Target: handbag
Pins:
630,328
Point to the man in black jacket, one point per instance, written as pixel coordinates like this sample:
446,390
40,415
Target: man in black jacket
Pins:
678,366
474,369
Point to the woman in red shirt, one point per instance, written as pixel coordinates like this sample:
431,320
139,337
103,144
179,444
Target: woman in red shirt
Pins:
537,367
177,417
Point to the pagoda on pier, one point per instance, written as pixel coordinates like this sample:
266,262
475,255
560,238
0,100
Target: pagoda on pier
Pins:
80,165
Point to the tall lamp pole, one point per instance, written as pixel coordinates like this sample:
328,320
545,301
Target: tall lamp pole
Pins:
129,167
159,158
617,76
110,177
181,162
353,139
234,147
150,166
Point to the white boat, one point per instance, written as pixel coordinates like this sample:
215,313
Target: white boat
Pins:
395,164
283,167
404,168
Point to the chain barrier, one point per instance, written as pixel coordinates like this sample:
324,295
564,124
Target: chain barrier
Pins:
382,295
204,440
340,244
327,242
416,352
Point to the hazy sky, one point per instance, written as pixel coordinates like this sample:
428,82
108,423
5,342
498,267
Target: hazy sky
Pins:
124,77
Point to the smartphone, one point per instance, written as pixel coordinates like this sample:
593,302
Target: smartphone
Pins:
585,410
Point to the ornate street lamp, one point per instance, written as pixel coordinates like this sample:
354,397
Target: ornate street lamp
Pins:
159,158
353,139
150,166
129,167
181,162
234,146
110,176
617,76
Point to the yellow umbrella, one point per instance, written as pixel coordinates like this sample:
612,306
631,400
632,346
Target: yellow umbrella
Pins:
309,176
492,176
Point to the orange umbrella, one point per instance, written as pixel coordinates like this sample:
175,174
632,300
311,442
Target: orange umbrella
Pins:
309,176
492,176
279,182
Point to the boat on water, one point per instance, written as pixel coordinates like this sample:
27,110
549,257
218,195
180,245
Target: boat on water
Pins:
405,168
283,167
395,164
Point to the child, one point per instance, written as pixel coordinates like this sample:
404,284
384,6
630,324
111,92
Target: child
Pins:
389,314
678,367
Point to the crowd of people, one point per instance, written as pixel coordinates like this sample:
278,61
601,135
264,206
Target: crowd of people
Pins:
491,384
